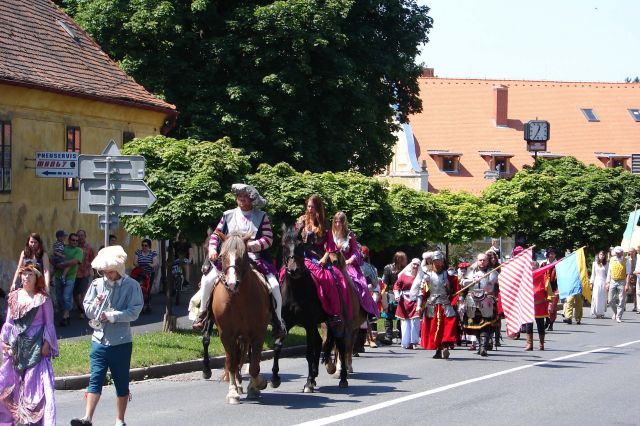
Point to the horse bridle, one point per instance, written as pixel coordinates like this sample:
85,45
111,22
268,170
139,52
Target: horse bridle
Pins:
223,278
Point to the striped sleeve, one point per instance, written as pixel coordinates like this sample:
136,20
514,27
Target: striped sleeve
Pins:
214,240
266,239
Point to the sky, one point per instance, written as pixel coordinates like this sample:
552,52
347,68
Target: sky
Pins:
561,40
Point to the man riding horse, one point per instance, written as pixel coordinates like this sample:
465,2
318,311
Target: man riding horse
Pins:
247,218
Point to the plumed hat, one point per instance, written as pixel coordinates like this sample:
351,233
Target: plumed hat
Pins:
258,201
110,258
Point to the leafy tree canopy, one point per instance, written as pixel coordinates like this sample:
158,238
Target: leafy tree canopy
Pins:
317,83
191,180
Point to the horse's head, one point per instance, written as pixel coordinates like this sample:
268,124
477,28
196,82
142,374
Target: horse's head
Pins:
292,249
235,259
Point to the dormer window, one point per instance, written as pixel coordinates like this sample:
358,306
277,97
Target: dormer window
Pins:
448,162
590,114
612,160
499,163
635,113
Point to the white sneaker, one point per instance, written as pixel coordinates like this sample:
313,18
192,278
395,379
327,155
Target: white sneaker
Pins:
618,319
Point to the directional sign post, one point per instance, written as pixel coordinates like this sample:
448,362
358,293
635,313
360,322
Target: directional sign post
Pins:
111,185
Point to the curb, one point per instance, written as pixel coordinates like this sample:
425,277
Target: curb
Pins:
163,370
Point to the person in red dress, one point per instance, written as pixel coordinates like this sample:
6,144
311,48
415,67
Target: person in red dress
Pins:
409,306
438,329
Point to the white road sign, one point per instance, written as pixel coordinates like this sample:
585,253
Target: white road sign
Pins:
127,197
57,164
123,167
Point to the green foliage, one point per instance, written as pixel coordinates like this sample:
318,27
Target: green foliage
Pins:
417,216
310,82
191,180
468,217
362,198
567,204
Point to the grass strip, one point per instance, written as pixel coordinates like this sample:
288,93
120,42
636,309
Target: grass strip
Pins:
155,348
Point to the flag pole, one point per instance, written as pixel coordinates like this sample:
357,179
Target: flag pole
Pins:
475,281
635,213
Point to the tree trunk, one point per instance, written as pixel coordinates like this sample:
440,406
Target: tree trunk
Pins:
169,319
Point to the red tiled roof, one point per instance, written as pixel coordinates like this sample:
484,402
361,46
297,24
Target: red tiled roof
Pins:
459,115
36,51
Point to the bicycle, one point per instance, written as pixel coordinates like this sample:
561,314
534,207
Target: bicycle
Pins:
178,277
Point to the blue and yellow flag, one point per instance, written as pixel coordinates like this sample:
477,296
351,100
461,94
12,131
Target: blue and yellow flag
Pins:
572,276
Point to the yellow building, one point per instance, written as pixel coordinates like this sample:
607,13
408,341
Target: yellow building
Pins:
58,92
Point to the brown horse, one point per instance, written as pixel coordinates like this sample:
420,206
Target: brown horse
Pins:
241,308
348,329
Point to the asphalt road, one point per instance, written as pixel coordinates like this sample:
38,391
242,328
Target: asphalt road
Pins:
589,375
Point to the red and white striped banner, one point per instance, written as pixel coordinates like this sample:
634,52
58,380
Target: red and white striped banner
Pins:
516,291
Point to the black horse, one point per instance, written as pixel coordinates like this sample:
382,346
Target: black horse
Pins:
300,305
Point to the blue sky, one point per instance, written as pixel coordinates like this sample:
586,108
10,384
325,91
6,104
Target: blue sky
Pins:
565,40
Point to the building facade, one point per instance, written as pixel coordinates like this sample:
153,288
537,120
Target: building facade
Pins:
58,93
471,131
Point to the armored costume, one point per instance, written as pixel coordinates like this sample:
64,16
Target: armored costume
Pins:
439,325
479,310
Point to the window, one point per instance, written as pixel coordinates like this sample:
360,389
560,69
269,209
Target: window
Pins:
635,113
127,137
5,156
73,145
449,164
591,116
501,165
617,162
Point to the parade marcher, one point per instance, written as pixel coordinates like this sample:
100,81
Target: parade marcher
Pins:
598,283
112,302
615,282
630,284
73,256
247,219
389,278
438,329
542,295
479,309
551,256
494,263
371,275
29,343
409,306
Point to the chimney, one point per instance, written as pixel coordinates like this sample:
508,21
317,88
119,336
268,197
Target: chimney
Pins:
501,104
428,72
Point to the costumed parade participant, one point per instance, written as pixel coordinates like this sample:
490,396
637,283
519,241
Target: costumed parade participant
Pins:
551,256
542,295
345,241
615,283
438,329
28,344
389,278
479,309
318,244
373,283
245,219
112,302
409,307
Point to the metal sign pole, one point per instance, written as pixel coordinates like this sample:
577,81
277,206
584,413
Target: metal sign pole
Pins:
106,203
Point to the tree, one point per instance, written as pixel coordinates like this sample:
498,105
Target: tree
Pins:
566,204
191,180
319,84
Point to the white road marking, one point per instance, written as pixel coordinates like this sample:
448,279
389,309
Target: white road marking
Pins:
390,403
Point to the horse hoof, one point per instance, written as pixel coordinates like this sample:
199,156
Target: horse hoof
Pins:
233,400
253,394
331,368
206,374
262,384
307,389
343,384
275,383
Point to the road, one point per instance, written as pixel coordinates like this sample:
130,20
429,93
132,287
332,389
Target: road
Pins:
589,375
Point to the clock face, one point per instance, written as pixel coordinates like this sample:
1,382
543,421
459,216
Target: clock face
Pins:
538,130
